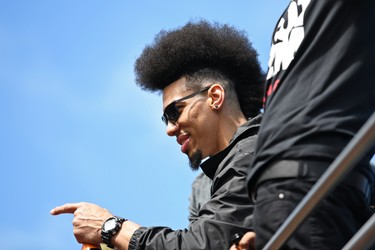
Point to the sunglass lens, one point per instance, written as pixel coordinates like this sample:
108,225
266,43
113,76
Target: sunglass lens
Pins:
171,114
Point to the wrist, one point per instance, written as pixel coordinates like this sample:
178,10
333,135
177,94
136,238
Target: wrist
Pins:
110,228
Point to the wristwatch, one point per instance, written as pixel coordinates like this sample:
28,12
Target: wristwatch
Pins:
111,227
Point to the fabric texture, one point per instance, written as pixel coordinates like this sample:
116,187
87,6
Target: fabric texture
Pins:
330,225
200,194
320,88
319,92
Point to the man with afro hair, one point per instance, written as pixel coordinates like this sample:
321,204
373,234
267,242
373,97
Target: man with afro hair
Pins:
211,83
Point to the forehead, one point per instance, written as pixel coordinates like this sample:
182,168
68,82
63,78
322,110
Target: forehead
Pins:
174,91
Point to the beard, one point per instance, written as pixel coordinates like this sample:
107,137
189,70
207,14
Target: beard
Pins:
195,160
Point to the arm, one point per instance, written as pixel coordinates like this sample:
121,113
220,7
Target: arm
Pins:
212,230
88,220
200,194
229,211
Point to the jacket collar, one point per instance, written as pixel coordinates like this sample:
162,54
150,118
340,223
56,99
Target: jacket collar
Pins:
210,166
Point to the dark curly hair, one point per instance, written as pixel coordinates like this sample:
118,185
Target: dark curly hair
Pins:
203,45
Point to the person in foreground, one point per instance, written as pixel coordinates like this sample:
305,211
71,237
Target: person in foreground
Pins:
211,83
320,90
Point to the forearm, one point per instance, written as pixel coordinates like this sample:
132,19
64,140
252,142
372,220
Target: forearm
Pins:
205,233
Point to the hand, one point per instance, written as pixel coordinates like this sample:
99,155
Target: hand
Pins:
247,242
87,222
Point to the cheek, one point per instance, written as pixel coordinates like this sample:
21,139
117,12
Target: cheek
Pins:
195,117
205,141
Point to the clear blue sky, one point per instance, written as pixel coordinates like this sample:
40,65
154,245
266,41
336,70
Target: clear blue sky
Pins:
75,127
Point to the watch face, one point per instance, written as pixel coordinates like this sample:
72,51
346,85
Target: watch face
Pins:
109,225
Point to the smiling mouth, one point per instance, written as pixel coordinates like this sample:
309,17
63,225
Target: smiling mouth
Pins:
183,140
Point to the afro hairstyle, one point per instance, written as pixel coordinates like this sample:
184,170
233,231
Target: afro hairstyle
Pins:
203,45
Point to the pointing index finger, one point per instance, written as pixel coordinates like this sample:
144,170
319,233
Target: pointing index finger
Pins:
68,208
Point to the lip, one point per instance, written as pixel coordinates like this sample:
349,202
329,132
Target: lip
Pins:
183,140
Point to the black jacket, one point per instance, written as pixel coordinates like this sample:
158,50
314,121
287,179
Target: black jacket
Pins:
229,210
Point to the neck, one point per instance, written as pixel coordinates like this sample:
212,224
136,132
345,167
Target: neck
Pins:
229,127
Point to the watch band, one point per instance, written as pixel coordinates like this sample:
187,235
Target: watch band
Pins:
108,234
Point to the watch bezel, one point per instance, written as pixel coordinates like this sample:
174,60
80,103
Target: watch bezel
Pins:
106,235
106,223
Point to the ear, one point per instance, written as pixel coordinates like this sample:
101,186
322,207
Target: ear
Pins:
216,96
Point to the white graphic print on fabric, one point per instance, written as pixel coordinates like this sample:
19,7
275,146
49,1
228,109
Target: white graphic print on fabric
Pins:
286,40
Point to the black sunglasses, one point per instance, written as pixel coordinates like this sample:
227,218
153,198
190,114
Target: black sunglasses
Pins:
171,113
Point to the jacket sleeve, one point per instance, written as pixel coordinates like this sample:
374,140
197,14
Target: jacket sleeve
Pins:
200,194
229,211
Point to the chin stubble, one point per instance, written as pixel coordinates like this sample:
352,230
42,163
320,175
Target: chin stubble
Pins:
195,160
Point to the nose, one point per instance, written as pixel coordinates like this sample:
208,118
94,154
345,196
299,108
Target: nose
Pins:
172,129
